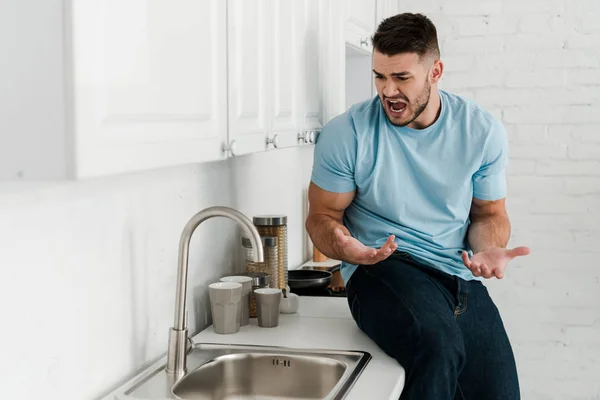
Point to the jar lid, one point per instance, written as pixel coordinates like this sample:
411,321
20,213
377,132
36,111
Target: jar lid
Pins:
267,241
270,220
259,279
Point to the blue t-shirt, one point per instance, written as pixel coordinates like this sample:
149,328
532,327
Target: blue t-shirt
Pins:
415,184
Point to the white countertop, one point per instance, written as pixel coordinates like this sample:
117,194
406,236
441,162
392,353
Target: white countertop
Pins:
320,323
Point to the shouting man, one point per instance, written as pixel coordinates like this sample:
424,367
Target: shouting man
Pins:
408,190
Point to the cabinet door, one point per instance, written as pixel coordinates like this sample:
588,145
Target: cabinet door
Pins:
333,71
286,78
360,23
247,76
312,59
149,81
386,9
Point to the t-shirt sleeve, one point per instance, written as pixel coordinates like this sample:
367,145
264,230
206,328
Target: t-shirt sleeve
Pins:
489,182
335,156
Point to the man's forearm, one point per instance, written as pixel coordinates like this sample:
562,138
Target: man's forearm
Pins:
321,229
489,231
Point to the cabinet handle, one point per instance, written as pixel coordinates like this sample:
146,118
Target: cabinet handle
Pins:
313,136
302,137
274,141
230,148
364,42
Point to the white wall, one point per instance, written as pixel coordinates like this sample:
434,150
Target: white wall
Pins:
87,270
536,64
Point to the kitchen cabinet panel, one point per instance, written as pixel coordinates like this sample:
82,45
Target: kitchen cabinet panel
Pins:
148,84
247,26
312,58
286,74
107,87
120,87
360,23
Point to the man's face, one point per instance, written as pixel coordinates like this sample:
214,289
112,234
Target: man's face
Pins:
403,85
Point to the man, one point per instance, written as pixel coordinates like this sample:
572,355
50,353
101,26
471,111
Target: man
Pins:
408,190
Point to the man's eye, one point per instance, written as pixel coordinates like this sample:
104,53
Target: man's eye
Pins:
403,79
378,77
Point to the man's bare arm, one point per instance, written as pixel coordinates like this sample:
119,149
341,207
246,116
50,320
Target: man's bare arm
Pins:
490,225
488,236
331,237
325,216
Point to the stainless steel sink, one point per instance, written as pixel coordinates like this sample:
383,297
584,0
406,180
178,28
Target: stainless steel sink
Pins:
237,372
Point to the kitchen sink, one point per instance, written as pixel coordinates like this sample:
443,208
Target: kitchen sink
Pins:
243,372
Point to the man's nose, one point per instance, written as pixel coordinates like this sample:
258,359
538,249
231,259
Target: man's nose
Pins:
390,89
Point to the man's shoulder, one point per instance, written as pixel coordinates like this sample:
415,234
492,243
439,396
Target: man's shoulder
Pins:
464,108
352,121
365,108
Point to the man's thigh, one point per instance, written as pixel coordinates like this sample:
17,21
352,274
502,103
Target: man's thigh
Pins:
490,372
397,304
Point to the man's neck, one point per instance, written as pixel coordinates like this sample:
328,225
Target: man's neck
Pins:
431,112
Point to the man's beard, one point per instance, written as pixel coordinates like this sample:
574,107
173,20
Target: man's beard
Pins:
420,105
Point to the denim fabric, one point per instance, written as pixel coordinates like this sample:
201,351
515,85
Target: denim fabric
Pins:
446,332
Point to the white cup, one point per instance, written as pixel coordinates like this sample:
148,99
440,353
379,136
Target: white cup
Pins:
289,304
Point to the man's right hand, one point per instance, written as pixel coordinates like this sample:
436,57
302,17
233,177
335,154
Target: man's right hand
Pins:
355,252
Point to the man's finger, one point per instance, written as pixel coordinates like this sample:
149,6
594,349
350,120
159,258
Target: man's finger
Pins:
387,249
383,253
486,272
475,268
390,243
519,251
499,273
465,259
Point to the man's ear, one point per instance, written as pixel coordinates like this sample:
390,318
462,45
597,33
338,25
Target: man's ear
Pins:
437,70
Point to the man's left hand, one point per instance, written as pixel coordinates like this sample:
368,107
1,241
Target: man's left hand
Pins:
493,261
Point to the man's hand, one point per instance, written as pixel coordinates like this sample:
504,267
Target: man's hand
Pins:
493,261
357,253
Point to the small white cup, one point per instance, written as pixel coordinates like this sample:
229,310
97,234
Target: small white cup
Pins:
246,282
289,304
225,299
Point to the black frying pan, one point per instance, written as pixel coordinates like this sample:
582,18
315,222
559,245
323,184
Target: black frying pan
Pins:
308,279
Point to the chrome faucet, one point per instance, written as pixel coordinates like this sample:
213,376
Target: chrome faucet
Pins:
179,343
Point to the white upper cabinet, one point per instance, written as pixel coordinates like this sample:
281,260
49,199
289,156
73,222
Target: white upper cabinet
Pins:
312,54
286,92
386,9
360,23
362,19
120,86
149,84
33,139
247,77
274,69
102,87
332,34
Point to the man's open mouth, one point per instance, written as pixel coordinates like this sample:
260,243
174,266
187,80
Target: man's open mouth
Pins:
396,106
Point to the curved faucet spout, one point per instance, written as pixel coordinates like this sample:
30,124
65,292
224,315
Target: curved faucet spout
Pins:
176,358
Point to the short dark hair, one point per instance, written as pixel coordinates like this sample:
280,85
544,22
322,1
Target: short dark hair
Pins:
407,33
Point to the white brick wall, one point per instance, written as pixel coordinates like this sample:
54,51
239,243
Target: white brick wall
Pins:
536,63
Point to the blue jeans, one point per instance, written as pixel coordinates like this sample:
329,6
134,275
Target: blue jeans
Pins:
446,332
